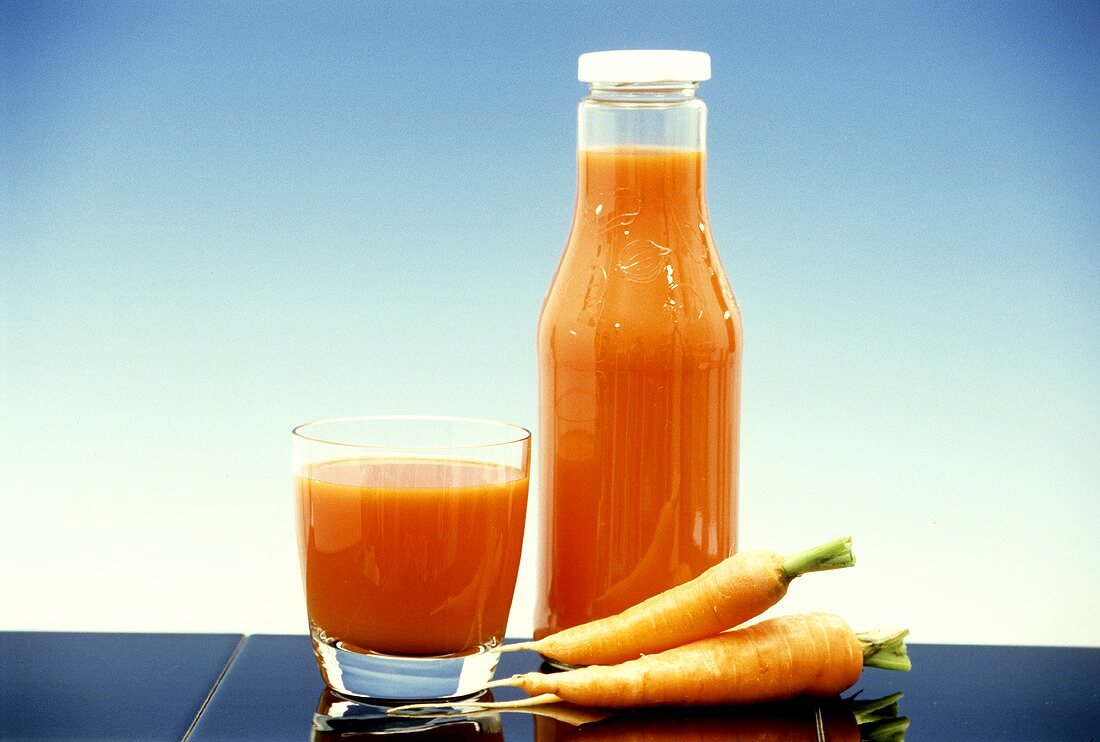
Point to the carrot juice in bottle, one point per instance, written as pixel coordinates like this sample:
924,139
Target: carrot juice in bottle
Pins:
639,346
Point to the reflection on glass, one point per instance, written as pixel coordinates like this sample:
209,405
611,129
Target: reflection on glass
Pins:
836,720
341,718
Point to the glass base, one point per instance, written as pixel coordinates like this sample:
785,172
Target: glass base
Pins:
390,679
345,717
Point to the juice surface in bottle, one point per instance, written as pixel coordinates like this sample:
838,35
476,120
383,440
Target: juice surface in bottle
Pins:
639,345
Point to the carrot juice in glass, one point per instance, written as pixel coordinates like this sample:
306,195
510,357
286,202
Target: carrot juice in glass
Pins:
639,348
409,533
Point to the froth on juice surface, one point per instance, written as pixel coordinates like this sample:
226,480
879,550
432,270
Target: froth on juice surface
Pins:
410,556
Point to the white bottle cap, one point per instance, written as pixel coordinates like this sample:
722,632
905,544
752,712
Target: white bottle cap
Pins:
643,65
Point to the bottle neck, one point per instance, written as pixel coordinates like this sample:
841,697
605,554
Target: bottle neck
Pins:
634,116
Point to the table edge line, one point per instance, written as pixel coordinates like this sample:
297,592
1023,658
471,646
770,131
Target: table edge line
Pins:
213,689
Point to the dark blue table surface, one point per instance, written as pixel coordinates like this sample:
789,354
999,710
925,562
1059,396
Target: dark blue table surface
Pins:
107,686
172,686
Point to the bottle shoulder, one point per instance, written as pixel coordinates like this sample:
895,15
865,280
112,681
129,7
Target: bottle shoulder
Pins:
645,296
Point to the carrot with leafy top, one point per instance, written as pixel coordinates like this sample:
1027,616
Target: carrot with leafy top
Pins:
726,595
816,654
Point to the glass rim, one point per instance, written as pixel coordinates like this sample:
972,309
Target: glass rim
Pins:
520,434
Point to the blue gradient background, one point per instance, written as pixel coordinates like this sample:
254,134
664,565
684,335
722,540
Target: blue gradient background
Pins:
218,220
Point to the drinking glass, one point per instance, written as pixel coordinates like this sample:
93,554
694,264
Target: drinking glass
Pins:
409,534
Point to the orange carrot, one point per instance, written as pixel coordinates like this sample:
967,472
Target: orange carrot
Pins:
804,655
726,595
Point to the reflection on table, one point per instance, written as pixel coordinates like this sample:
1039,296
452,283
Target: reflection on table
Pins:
827,720
341,718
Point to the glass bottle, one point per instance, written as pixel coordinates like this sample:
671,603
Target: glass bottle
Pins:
639,346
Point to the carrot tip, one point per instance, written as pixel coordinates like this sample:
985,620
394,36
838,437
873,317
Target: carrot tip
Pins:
879,719
835,554
876,709
885,648
466,707
512,682
884,730
540,700
513,647
433,708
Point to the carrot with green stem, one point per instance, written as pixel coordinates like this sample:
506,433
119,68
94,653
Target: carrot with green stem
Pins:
816,654
739,588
